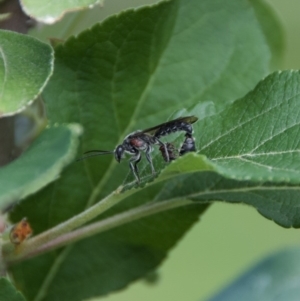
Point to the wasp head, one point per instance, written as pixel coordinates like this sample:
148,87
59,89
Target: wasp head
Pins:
119,151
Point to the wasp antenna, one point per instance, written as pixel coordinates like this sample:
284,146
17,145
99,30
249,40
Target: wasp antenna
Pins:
94,153
98,151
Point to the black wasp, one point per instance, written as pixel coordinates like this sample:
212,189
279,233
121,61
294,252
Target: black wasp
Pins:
144,140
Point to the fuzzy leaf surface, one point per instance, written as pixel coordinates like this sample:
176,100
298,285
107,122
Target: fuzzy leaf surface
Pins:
134,71
23,74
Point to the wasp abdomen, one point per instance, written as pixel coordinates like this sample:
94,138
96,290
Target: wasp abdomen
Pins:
188,145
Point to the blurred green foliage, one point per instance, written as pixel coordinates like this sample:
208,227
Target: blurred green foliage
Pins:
199,267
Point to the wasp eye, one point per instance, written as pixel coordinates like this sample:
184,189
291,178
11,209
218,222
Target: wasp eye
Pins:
119,153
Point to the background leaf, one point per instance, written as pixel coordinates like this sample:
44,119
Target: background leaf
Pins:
39,165
274,278
8,292
74,22
135,70
274,33
44,12
22,77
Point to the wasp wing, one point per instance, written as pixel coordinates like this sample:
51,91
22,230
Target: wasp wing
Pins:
187,119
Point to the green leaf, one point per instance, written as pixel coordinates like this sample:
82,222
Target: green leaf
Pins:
257,137
39,165
23,75
134,71
276,202
254,139
8,291
43,12
274,278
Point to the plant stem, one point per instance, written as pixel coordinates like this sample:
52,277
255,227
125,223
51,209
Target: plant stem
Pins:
98,227
69,225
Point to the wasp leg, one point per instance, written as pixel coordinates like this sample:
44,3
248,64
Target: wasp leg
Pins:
172,152
167,158
149,159
133,165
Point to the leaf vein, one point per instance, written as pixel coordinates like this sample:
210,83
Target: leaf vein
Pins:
247,121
